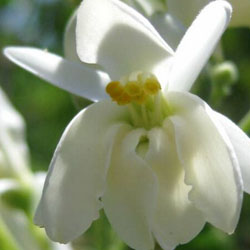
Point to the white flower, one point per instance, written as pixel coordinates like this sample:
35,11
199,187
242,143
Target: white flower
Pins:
158,159
16,176
16,227
14,159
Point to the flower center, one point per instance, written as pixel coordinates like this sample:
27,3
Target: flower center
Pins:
133,90
142,94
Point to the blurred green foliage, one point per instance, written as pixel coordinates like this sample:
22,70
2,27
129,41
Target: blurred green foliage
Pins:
47,110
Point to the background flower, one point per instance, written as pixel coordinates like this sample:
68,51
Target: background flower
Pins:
19,187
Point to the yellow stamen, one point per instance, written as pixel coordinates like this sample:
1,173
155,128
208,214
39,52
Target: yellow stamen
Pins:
140,99
152,86
115,90
133,88
123,99
135,91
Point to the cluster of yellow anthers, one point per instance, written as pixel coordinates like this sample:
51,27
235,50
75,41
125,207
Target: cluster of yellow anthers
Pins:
136,91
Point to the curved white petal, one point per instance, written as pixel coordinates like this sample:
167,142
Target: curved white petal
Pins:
176,220
241,145
198,44
76,178
69,41
130,194
14,154
74,77
169,28
70,53
210,163
115,36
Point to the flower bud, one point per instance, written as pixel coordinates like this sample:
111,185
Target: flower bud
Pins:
225,73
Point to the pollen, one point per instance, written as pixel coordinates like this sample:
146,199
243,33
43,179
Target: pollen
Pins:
133,88
123,99
152,86
115,90
134,91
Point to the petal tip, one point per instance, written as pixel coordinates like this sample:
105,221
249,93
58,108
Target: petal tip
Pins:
7,52
17,54
222,4
10,50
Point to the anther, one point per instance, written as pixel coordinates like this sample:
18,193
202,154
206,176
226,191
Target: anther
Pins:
152,86
134,91
115,89
123,99
133,88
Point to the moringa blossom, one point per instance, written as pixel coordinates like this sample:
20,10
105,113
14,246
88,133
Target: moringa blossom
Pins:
17,183
156,158
14,159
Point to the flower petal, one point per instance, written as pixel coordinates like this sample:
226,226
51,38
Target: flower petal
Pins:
115,36
176,220
198,44
71,76
76,178
69,41
169,28
130,194
210,163
241,145
14,154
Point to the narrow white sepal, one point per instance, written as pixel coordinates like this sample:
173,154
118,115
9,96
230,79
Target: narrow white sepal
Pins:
74,77
198,44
